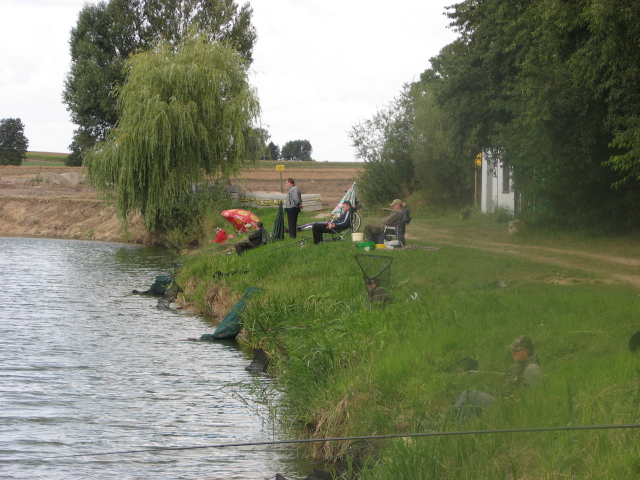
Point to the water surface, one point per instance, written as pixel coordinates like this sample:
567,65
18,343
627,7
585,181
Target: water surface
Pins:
88,367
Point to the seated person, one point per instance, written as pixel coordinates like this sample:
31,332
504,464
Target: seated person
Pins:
254,240
372,232
333,226
377,294
221,236
526,373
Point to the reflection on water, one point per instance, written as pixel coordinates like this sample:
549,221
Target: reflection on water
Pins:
88,367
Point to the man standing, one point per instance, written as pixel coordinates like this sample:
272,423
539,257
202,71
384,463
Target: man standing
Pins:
292,205
373,232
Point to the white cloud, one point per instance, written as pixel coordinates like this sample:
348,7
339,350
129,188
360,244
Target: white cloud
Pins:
320,66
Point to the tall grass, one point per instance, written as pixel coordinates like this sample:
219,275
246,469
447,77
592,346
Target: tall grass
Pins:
346,369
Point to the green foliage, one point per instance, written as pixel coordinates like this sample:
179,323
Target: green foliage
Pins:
186,112
297,150
13,143
107,33
384,143
257,144
552,85
186,226
274,151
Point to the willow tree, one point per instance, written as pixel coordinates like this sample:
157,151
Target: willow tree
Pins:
186,112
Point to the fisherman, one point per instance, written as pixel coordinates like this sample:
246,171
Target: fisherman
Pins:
527,373
341,223
377,294
255,239
373,232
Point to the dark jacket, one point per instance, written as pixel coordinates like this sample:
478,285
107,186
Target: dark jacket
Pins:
343,221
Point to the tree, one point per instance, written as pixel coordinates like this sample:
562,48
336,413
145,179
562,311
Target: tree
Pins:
552,85
107,33
274,151
13,143
298,150
187,111
384,143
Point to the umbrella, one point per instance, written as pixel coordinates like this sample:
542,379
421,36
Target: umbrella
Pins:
349,195
278,226
240,218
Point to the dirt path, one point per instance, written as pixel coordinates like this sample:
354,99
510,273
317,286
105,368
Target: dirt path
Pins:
609,268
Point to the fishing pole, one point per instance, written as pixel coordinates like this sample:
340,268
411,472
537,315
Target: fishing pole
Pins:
282,246
568,428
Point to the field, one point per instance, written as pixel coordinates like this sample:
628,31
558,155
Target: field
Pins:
43,197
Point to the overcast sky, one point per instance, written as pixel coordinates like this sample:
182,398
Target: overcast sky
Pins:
320,66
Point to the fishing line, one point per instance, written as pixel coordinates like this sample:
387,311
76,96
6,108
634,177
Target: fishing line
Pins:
343,439
350,451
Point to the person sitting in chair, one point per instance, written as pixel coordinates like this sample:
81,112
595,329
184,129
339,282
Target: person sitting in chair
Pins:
333,226
254,240
372,232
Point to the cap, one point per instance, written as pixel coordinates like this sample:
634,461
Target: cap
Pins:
524,342
397,201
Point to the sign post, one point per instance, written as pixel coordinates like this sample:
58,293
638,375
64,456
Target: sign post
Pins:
280,168
478,163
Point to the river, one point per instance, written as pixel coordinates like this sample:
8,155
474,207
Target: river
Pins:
87,367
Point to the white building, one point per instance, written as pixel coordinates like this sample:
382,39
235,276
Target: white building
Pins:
496,184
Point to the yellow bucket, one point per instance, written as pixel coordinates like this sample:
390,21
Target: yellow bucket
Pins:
357,237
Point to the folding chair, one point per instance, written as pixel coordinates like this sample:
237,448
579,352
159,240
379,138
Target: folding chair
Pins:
340,234
393,237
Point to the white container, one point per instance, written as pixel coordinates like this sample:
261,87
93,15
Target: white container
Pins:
357,237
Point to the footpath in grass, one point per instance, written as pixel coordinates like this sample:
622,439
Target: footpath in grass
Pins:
347,370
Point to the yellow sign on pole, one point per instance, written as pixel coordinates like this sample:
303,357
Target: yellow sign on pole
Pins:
479,159
279,168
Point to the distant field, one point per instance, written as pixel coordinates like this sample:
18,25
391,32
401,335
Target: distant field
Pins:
45,159
295,165
50,159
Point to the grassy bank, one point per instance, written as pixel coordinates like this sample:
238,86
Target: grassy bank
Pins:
347,370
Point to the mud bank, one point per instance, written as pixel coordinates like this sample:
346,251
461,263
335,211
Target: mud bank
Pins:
82,219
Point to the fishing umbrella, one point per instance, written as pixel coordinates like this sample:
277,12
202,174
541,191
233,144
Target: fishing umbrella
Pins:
240,218
349,195
278,226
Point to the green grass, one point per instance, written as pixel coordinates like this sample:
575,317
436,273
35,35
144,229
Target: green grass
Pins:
348,370
315,165
45,159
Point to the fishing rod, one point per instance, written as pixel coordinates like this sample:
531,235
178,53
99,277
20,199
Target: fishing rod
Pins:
285,245
568,428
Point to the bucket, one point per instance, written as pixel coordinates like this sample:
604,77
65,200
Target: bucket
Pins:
366,246
357,237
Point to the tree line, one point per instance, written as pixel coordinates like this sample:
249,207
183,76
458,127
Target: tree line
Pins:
550,88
